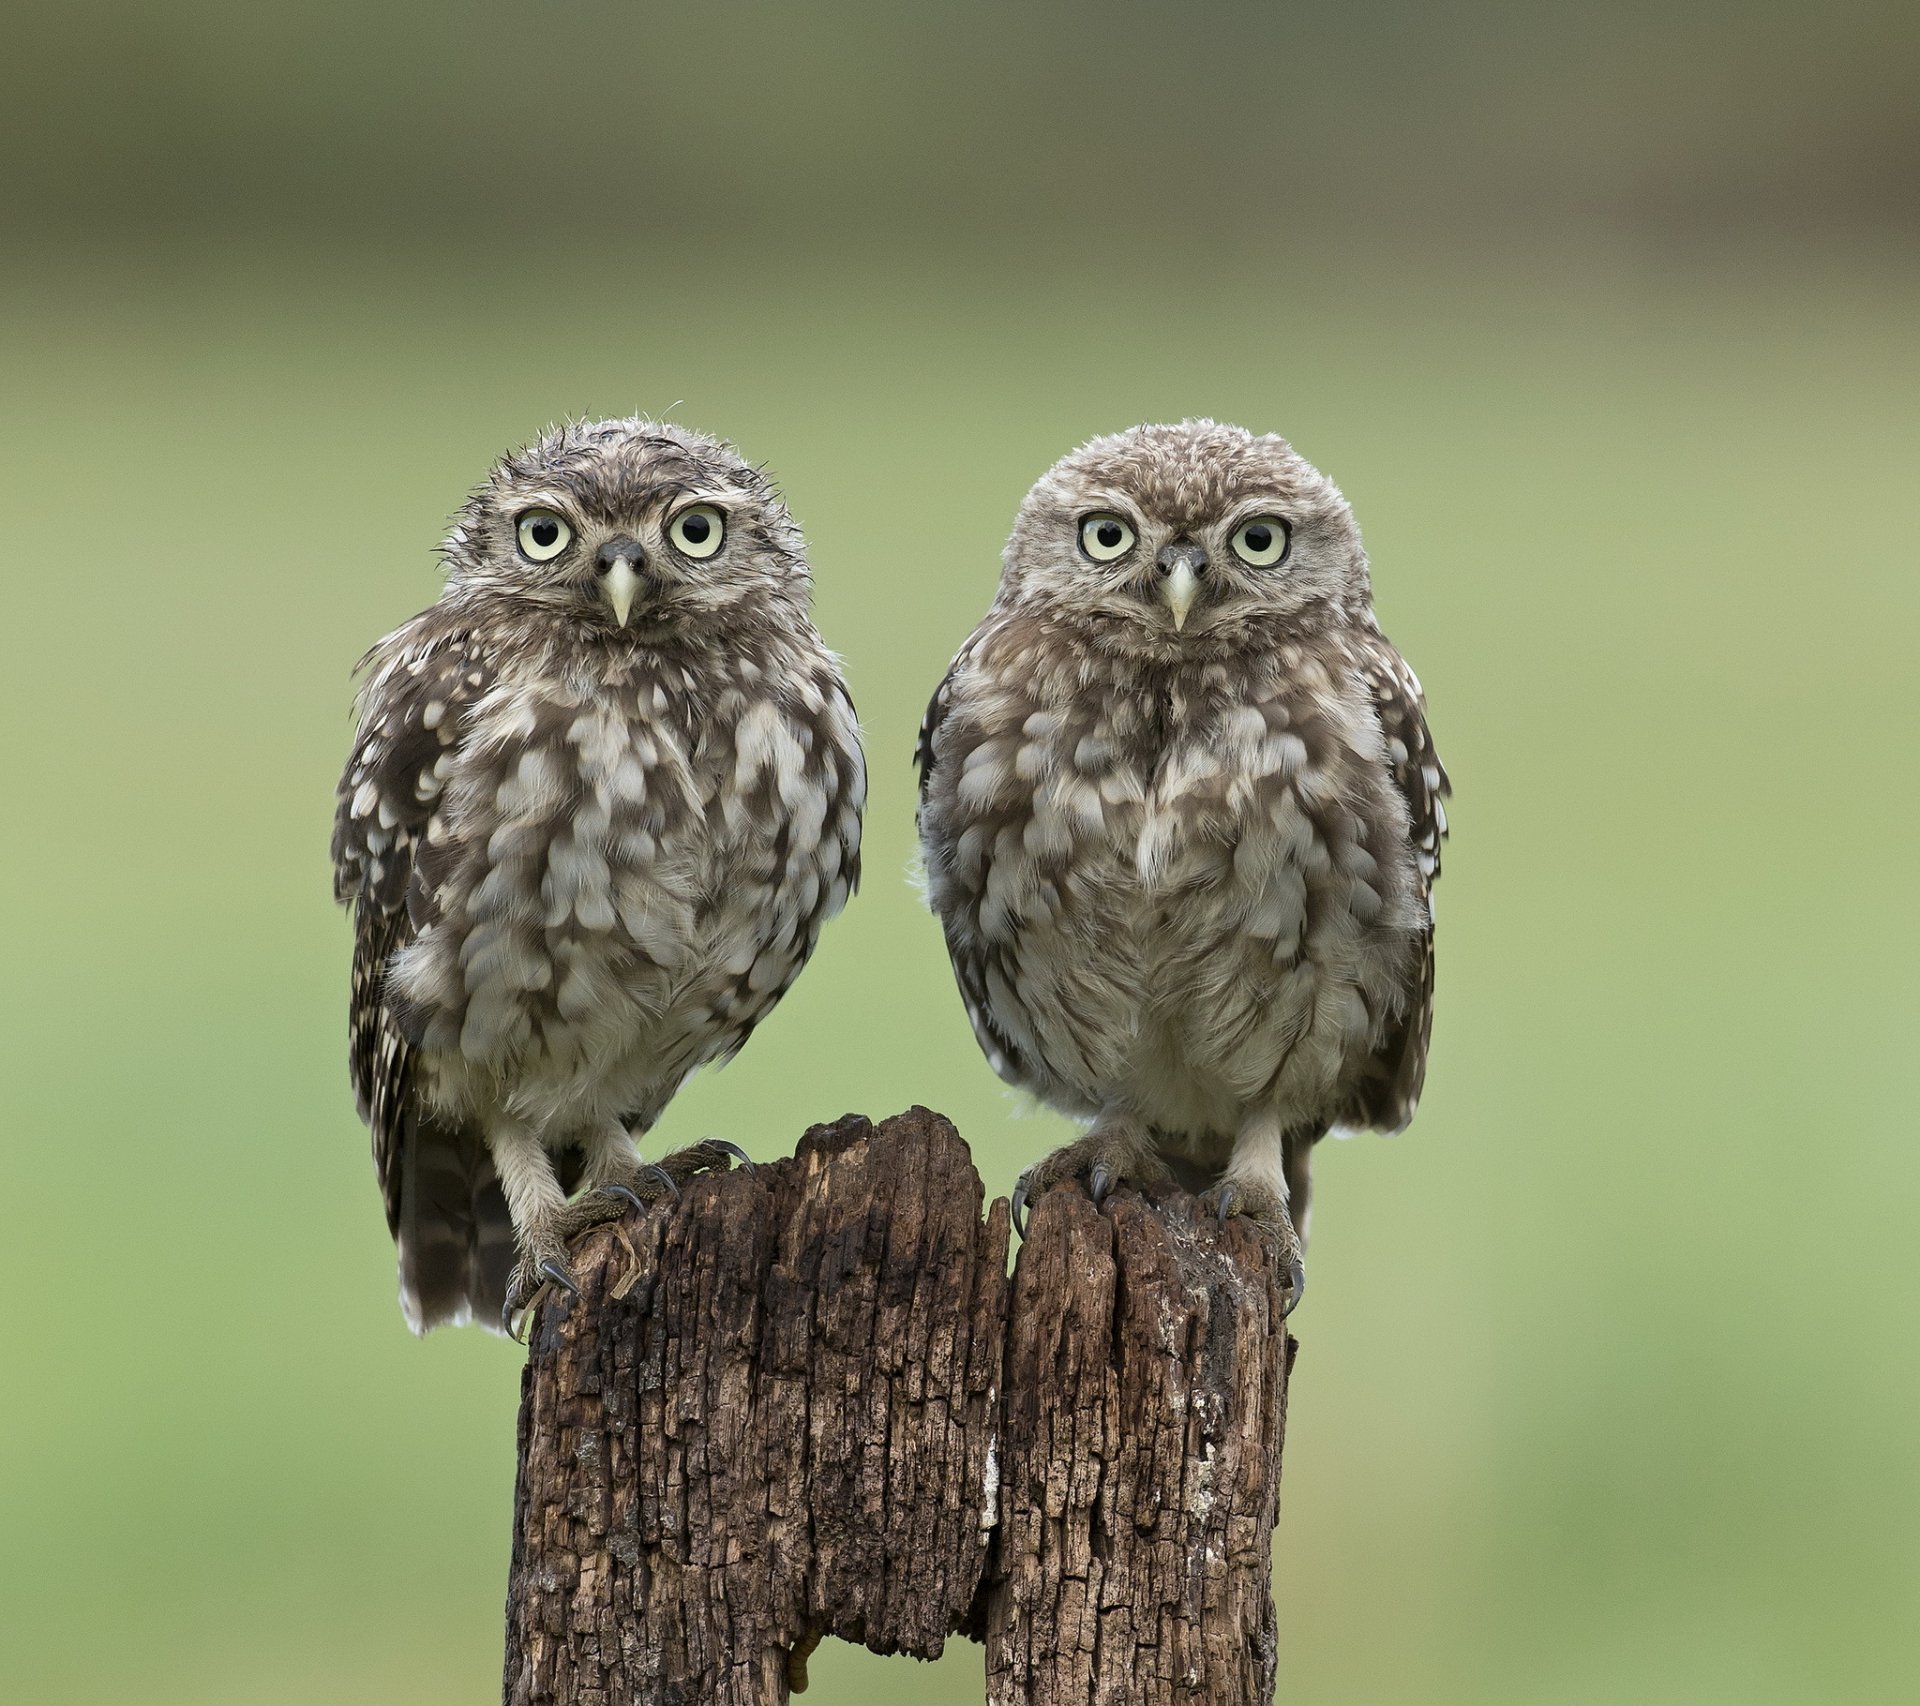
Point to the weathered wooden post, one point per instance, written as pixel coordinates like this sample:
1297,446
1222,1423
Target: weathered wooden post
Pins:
806,1401
1141,1423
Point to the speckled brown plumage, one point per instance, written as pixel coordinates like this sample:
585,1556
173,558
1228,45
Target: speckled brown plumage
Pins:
1181,817
599,806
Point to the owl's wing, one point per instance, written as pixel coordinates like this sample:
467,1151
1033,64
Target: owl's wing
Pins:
956,896
812,853
936,714
1390,1098
422,682
849,797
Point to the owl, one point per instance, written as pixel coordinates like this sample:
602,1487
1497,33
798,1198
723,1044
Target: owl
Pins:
602,798
1181,817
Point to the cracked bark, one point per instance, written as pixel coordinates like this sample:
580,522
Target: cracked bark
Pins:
808,1402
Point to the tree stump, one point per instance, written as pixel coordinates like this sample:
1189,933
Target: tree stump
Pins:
795,1405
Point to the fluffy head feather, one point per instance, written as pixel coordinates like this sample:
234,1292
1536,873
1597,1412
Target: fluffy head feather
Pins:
627,480
1196,483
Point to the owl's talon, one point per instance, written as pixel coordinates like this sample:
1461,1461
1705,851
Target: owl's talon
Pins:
709,1155
645,1175
1269,1214
1296,1286
1099,1182
1113,1153
739,1154
526,1286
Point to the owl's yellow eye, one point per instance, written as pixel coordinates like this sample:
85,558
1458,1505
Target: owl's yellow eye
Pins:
1262,542
1104,537
543,535
697,531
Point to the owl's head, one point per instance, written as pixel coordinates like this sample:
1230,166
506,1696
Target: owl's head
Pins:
629,526
1183,537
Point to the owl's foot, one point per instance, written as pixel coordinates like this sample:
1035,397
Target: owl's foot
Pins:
533,1276
637,1187
543,1247
1268,1211
642,1186
1109,1155
709,1155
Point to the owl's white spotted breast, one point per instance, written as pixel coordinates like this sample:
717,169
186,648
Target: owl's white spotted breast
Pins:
1190,887
625,866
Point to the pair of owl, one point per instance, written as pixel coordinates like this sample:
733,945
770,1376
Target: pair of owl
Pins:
1179,811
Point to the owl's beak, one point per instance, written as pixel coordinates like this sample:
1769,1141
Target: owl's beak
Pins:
620,578
1181,567
622,587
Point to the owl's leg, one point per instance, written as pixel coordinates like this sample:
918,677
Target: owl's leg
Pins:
537,1206
1117,1149
614,1176
1299,1167
1256,1188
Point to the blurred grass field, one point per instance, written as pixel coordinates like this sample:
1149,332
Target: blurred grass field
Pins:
1609,1383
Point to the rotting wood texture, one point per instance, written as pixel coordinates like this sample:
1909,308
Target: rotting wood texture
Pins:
1145,1405
793,1406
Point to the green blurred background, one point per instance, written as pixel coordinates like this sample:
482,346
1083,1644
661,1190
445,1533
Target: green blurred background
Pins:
1605,319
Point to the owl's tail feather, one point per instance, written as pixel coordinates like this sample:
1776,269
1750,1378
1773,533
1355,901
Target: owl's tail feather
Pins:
454,1232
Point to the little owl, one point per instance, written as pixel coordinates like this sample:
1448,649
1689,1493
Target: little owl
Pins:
1181,817
603,796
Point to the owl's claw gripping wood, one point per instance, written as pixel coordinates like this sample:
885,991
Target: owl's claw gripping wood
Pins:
1112,1153
653,1181
659,1177
1269,1213
1099,1182
709,1155
643,1187
532,1278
